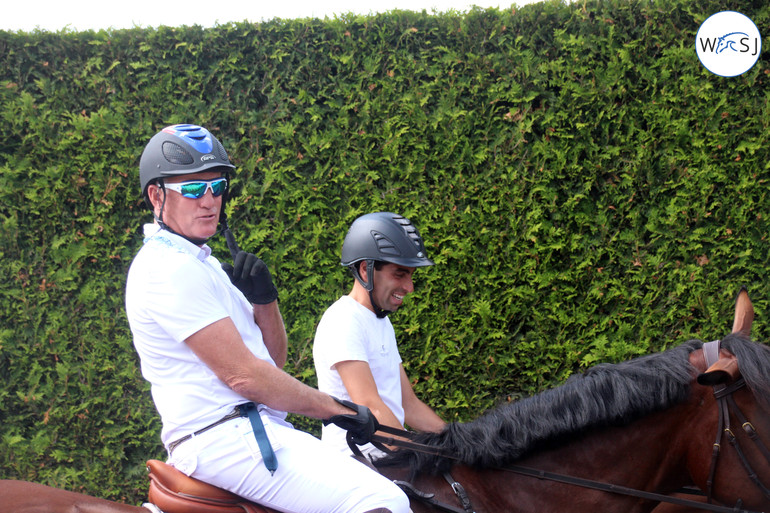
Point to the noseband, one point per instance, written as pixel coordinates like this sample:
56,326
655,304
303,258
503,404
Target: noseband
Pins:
725,405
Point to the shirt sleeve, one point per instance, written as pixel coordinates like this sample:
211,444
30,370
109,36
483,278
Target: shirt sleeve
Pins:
339,337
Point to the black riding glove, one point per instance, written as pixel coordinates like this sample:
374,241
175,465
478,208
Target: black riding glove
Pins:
252,277
360,427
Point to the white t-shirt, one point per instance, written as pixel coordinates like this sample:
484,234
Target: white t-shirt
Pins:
174,289
350,331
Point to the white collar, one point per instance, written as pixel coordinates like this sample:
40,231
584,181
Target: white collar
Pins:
153,230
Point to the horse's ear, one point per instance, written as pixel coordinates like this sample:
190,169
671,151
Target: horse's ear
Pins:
744,313
724,370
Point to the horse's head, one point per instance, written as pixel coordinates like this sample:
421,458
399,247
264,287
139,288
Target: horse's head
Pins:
737,371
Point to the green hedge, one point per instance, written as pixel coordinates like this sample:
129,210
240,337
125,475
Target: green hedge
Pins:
588,191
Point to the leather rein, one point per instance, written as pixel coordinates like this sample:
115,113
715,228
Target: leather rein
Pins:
725,404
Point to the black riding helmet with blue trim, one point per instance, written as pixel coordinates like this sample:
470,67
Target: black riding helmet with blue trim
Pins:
382,237
180,150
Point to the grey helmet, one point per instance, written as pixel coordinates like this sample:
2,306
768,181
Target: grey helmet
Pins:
386,237
382,237
180,150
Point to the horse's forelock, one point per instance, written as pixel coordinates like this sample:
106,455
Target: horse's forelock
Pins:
754,362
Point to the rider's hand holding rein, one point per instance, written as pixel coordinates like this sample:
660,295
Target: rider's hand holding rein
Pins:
361,425
252,277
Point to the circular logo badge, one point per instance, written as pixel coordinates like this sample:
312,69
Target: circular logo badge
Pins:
728,43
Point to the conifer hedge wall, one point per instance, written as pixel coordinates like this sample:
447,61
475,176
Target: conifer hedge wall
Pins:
588,191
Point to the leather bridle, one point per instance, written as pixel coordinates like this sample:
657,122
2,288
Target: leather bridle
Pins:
725,404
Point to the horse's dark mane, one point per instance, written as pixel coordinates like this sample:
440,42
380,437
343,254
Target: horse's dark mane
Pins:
754,363
604,395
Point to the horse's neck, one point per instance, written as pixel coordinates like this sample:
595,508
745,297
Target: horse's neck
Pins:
652,452
649,453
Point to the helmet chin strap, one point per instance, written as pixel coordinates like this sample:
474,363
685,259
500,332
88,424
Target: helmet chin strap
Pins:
369,286
379,312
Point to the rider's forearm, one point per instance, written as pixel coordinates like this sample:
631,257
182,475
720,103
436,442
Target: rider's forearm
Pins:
421,417
268,318
275,388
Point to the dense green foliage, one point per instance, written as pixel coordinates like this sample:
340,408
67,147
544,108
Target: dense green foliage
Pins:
588,191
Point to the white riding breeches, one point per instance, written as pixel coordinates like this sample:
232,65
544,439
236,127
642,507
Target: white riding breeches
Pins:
311,477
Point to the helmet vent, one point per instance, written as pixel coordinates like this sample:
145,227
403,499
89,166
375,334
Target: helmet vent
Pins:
221,150
410,231
175,154
384,245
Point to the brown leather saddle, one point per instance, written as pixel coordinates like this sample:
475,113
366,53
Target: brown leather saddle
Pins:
174,492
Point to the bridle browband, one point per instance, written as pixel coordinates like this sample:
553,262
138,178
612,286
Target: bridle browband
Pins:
725,404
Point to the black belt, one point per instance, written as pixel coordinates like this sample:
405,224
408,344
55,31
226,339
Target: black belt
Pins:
242,410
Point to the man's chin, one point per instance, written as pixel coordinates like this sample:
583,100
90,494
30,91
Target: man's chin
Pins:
208,230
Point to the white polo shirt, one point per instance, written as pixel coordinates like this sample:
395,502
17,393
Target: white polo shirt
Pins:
350,331
174,289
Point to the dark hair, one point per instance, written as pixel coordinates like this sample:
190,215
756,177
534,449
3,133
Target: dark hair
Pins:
378,265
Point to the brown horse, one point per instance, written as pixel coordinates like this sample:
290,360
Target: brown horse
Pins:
646,425
617,434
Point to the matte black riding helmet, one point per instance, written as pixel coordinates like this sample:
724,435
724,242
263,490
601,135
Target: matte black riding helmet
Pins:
180,150
382,237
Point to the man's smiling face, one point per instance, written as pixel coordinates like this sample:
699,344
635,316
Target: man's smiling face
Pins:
391,284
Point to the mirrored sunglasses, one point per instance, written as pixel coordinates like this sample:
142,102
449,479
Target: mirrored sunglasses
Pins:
196,189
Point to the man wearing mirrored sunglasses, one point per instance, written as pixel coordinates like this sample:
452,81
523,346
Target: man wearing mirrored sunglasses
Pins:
212,343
